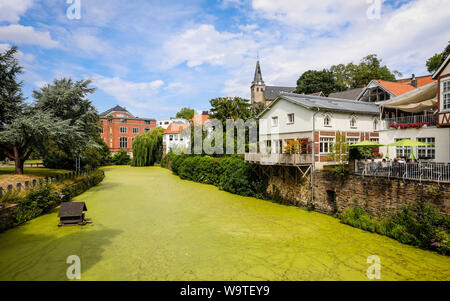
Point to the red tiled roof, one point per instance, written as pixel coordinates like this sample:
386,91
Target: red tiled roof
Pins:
175,128
199,119
404,86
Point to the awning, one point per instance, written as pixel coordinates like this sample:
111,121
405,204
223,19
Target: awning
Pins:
418,100
425,105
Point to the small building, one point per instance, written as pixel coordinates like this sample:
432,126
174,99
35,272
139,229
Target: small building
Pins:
118,128
176,136
165,123
442,75
71,213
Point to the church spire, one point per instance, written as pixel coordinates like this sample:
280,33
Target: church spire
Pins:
258,80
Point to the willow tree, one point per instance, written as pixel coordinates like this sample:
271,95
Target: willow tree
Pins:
147,148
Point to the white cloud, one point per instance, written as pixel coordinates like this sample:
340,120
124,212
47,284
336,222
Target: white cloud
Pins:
204,44
11,10
137,94
20,34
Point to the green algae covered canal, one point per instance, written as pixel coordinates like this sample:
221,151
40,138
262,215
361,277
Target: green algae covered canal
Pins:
150,225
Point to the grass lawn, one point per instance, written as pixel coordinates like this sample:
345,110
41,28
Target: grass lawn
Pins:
150,225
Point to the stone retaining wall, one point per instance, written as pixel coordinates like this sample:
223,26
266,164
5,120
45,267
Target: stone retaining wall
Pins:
377,195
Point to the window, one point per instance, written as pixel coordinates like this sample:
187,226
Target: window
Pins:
146,130
353,122
147,122
268,145
327,121
427,152
274,121
110,130
123,121
375,125
377,140
402,151
135,130
160,123
445,96
325,145
351,141
166,123
101,130
176,137
110,142
123,142
170,137
123,130
291,118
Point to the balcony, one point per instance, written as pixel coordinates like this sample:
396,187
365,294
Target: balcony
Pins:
279,159
429,120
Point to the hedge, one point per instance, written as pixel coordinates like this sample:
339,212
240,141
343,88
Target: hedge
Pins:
230,173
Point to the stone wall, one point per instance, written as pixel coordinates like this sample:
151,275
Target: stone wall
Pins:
7,217
377,195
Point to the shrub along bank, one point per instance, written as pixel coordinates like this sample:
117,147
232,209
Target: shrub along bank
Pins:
230,173
43,198
419,224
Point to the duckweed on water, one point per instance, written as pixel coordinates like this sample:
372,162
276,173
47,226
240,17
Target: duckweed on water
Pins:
150,225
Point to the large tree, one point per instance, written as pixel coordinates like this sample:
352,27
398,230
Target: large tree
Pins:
313,81
434,62
355,76
67,100
223,108
186,113
60,117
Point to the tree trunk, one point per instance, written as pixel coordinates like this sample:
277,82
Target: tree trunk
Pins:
18,161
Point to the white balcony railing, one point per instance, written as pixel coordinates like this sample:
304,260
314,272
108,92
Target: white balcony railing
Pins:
430,120
438,172
279,159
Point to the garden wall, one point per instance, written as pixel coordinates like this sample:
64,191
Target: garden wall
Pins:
377,195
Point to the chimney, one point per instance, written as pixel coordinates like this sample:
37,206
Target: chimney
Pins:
414,81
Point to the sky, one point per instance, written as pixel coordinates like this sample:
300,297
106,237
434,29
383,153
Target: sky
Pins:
155,57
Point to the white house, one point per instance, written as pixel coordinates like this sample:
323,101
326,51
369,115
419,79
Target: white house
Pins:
176,136
165,123
318,119
420,115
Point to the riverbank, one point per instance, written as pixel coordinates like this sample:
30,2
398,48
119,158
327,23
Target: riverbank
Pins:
150,225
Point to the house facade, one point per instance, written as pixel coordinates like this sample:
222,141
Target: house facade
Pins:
176,136
317,120
442,76
118,128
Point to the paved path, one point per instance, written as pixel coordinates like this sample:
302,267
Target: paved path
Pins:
150,225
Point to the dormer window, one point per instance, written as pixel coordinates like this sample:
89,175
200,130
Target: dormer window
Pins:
327,121
353,122
375,125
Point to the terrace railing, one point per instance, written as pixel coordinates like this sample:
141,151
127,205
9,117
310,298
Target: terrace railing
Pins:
279,159
429,171
430,120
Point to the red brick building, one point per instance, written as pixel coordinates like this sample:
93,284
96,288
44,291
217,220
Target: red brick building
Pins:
119,128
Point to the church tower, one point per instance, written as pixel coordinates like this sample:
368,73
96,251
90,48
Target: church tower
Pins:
258,86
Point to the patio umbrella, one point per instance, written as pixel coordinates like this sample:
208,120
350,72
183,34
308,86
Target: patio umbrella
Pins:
366,143
410,143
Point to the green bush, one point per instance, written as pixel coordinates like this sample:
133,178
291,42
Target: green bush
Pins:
121,158
43,198
231,174
419,224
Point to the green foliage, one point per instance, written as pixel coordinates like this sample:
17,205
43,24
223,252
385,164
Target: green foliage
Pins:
355,76
317,81
186,113
224,108
147,148
121,158
231,173
419,224
434,62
